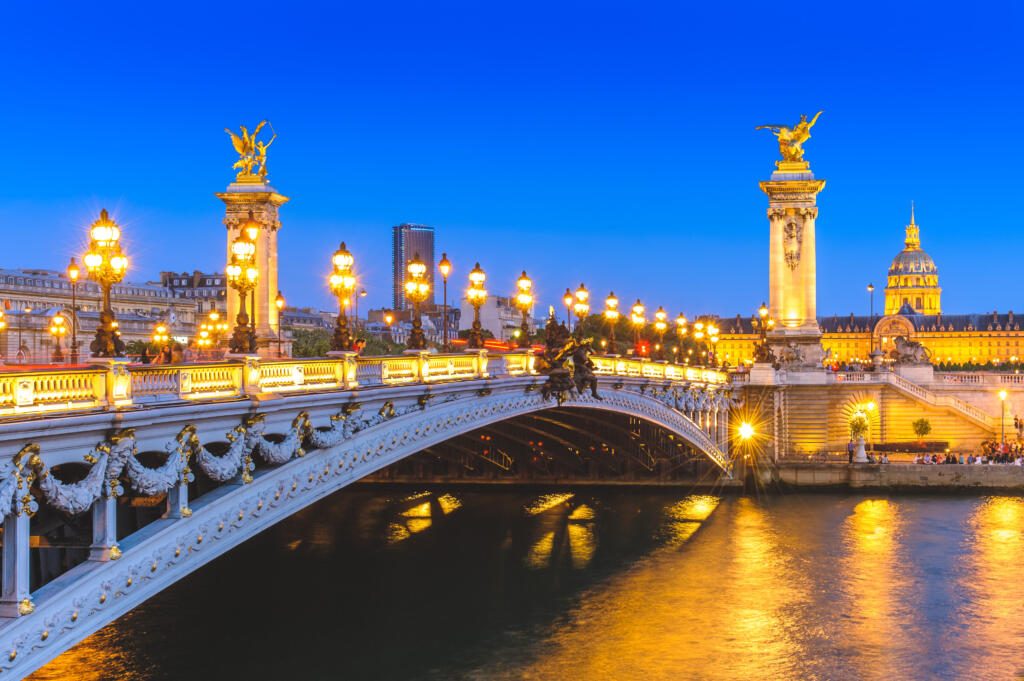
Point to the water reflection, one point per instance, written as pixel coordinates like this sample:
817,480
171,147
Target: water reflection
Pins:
876,581
993,578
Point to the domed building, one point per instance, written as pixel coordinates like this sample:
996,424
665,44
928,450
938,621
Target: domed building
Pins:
913,283
913,310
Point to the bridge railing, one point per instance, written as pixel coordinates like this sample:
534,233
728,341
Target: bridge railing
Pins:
119,384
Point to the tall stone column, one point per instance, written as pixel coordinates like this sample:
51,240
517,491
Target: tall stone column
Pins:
792,212
254,194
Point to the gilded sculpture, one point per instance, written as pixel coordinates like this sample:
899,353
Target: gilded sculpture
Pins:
252,153
791,140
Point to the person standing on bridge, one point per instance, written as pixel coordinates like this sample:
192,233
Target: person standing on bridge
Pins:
849,451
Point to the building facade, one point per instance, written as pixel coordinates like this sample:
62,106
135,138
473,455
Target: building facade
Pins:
31,297
208,290
407,242
499,315
913,310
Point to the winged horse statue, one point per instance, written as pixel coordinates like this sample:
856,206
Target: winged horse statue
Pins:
252,153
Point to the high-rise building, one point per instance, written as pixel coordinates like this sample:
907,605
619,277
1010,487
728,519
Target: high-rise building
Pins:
408,241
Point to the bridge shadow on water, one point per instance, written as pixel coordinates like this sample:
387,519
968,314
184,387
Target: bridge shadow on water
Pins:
385,581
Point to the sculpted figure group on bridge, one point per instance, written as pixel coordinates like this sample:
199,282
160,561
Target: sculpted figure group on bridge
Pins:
562,348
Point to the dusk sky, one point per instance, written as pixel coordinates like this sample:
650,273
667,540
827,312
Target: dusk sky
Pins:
611,144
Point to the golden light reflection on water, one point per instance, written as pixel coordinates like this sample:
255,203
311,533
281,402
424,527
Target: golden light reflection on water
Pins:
994,578
681,615
449,503
546,502
539,555
101,657
876,579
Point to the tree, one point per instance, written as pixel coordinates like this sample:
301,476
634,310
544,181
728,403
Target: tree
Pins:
921,428
859,425
311,342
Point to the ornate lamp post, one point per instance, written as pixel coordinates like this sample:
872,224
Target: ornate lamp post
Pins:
638,319
871,319
680,333
581,307
417,288
713,338
661,326
242,276
476,294
568,299
611,313
58,328
279,304
342,283
524,301
762,353
160,334
389,319
73,274
445,268
106,265
698,336
3,328
1002,420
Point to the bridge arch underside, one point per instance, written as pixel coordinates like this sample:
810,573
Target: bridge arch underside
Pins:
560,444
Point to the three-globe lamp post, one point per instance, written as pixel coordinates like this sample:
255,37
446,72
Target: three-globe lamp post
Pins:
417,288
660,327
58,329
639,320
243,275
476,294
524,301
581,307
681,330
343,284
106,264
611,314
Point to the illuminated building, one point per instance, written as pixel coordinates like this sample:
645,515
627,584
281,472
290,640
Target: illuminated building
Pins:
913,310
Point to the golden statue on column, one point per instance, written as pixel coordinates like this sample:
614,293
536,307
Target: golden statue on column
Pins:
791,140
252,153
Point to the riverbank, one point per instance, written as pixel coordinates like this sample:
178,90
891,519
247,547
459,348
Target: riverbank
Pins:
893,476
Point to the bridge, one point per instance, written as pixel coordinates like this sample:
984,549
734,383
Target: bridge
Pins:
219,451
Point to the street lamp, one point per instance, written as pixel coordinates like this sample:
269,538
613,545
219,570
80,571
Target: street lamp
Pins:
279,304
680,333
3,327
762,353
638,319
445,268
581,307
242,275
160,335
611,313
106,264
713,338
524,301
870,324
342,282
389,319
661,326
58,328
73,274
476,294
417,288
568,299
1002,399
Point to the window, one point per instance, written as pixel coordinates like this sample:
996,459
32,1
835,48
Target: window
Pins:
919,305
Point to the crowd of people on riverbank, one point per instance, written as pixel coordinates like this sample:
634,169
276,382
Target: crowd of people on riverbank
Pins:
992,452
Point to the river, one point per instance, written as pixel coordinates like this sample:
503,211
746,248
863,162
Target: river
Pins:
596,584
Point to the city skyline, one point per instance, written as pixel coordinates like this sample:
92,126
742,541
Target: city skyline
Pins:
572,162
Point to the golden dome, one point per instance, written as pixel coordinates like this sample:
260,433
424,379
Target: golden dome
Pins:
912,260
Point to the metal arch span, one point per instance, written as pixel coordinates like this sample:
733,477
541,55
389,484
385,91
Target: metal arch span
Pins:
93,594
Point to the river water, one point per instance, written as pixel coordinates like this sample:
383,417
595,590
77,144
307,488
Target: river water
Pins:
610,584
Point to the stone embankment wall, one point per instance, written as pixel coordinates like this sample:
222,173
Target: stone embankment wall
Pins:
895,476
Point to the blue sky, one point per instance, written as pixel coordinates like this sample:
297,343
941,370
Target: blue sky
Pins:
611,144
